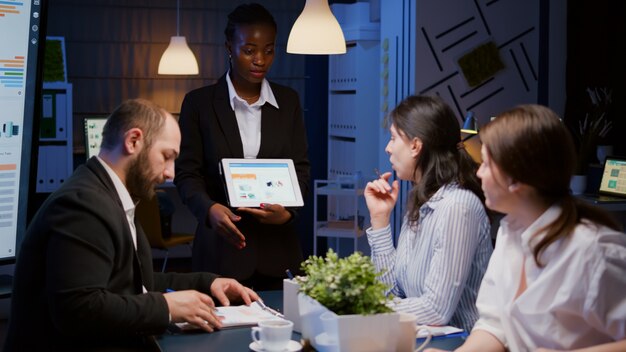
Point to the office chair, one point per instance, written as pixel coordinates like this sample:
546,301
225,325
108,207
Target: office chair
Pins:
148,215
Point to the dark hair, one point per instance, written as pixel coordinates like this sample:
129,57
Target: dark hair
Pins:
443,159
247,14
531,144
139,113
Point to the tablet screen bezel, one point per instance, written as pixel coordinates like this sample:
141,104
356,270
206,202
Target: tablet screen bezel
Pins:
236,202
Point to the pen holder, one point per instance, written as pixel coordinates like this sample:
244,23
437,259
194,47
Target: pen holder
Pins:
290,303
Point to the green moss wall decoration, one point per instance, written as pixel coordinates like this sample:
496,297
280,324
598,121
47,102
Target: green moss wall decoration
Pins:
53,65
481,63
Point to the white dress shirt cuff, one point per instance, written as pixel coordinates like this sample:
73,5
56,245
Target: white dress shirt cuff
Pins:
380,240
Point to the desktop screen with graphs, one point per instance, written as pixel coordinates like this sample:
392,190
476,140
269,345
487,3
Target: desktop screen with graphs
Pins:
93,134
22,25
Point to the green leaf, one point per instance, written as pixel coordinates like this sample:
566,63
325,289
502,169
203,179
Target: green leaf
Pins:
345,285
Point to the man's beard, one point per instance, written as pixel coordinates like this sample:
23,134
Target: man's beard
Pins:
138,179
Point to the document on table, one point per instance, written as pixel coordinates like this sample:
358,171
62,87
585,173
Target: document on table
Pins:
236,316
438,331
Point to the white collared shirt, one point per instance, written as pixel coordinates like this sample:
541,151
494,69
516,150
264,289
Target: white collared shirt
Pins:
577,299
249,116
127,203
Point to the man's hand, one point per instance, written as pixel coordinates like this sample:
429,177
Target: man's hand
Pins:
222,221
193,307
227,290
273,214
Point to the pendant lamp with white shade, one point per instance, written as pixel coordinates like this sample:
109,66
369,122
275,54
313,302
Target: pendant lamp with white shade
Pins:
178,59
316,31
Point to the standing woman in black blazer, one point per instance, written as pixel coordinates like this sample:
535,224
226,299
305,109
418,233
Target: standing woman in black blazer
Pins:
243,115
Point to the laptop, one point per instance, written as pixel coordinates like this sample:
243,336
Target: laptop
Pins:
613,183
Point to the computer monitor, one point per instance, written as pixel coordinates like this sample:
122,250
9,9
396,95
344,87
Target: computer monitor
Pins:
22,24
93,134
614,177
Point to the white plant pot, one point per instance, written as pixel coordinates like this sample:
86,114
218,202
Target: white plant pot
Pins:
363,333
602,151
310,312
290,303
578,183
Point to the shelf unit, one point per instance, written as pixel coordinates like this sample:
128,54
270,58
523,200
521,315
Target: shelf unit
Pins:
353,124
55,160
353,106
339,194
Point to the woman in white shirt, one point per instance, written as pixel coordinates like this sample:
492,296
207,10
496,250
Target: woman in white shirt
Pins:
557,278
445,242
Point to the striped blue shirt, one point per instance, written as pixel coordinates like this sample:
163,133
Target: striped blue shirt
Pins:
436,271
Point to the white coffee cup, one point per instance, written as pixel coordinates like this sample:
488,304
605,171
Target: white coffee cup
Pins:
329,324
406,333
272,335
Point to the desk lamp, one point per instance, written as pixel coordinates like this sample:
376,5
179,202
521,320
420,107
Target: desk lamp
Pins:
470,126
470,129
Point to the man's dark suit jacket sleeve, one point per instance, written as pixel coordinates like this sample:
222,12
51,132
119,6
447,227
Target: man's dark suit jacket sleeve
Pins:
94,276
82,296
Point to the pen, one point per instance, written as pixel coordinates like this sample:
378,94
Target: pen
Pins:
289,274
266,308
377,172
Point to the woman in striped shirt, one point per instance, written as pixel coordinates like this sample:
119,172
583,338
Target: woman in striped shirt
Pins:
444,244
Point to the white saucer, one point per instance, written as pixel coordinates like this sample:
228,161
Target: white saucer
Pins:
326,343
292,346
325,339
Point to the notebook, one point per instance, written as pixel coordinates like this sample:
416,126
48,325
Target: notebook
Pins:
237,316
613,183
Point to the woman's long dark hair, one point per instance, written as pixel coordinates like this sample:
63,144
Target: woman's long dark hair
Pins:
443,159
532,145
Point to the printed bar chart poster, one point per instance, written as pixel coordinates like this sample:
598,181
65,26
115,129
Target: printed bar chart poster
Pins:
17,35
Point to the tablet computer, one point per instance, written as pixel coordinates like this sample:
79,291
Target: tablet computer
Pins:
250,182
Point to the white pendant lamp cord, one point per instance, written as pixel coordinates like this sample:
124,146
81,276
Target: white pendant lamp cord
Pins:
177,18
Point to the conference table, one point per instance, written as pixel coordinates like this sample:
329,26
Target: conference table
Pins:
239,339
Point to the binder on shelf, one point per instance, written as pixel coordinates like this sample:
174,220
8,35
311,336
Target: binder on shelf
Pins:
47,125
62,118
55,161
41,171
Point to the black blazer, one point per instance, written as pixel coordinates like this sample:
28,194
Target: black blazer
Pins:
209,133
78,279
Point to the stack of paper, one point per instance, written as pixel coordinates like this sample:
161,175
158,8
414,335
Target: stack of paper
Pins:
235,316
438,331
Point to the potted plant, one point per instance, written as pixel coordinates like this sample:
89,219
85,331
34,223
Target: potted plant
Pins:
590,132
593,129
343,306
